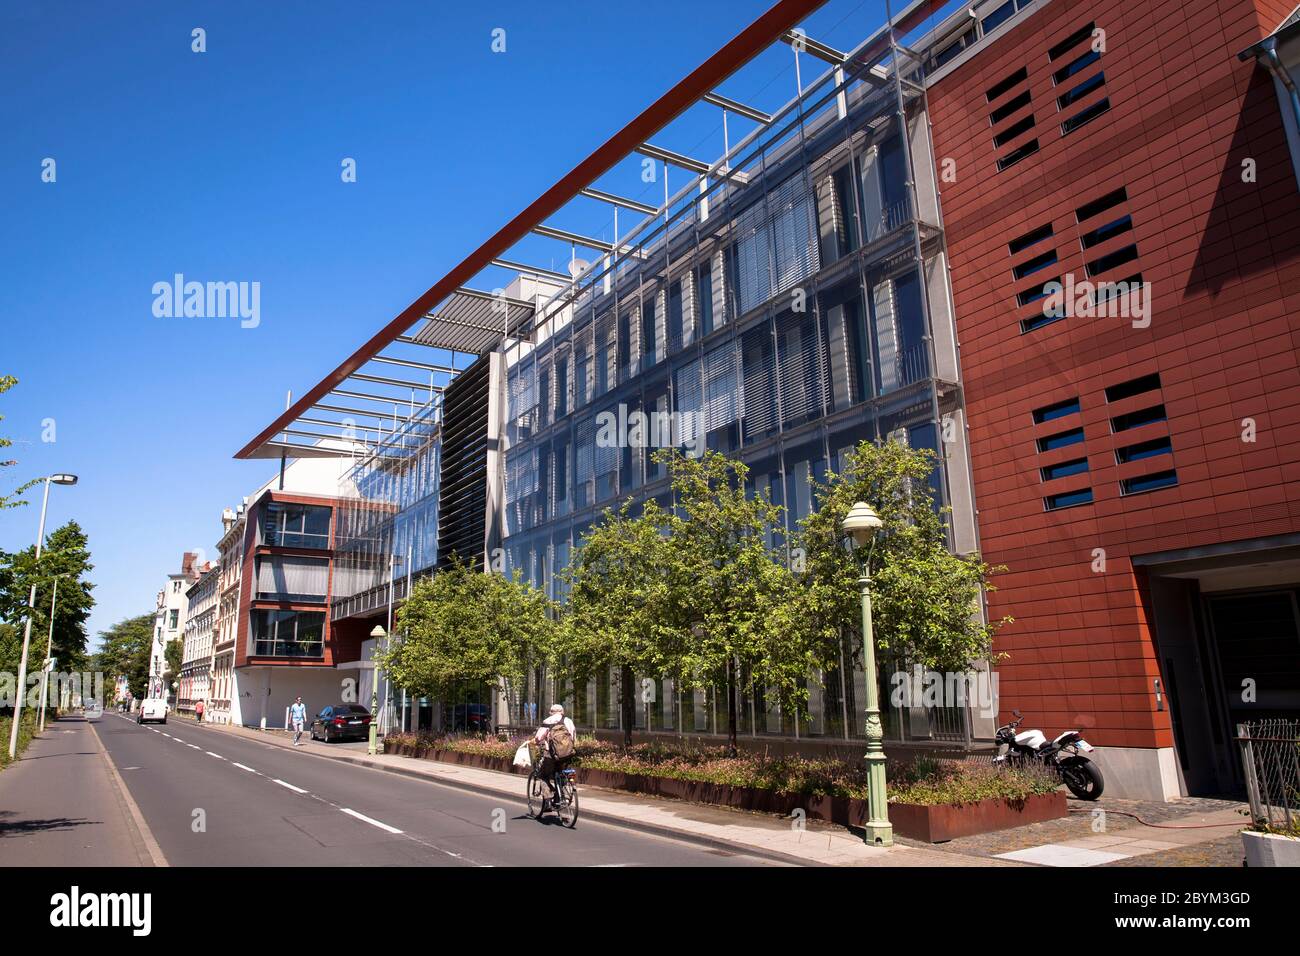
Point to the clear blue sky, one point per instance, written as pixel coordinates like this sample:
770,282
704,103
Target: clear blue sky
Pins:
225,166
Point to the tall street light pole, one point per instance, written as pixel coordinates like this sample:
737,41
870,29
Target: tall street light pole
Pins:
31,610
861,524
49,649
378,634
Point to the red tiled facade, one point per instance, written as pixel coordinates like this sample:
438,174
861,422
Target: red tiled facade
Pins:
1222,256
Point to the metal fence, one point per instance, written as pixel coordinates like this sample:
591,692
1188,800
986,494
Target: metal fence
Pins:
1270,759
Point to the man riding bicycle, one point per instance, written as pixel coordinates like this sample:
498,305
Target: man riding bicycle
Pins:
557,737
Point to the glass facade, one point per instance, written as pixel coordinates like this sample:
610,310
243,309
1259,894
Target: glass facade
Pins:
295,634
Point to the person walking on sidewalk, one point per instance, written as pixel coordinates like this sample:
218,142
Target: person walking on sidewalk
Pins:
198,711
298,715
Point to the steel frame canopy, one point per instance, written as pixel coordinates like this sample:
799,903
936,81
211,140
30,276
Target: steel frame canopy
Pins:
464,320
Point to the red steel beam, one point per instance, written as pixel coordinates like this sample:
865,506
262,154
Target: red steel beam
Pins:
747,44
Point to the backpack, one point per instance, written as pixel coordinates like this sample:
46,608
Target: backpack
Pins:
561,740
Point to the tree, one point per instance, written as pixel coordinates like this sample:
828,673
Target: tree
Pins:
65,554
172,655
618,581
462,627
731,617
925,599
124,651
13,499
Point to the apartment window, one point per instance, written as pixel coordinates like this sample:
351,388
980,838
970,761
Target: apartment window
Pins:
1068,499
296,526
648,318
675,316
1016,155
1070,42
1036,264
1006,85
1114,290
704,287
292,578
1061,440
1112,260
1033,237
1019,101
998,17
948,52
1099,235
1072,96
1143,450
1136,386
561,387
1099,205
1152,482
1037,292
174,620
1023,125
1058,410
1086,115
1145,416
1076,66
1064,469
288,633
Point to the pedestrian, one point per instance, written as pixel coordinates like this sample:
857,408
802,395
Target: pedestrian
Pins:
298,715
198,710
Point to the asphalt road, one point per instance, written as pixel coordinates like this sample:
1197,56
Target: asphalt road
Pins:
213,798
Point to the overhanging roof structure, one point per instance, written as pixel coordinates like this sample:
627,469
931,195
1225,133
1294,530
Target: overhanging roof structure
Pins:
458,321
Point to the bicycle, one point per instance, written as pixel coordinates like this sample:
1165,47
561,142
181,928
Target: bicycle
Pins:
565,801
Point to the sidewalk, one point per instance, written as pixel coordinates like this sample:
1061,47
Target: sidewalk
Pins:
818,844
64,804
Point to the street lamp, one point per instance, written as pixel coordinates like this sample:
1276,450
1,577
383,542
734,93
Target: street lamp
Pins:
49,649
60,479
378,634
861,525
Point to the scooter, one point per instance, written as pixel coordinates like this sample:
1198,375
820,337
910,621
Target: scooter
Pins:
1064,756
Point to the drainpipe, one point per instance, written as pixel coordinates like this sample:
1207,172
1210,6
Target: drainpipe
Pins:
1268,56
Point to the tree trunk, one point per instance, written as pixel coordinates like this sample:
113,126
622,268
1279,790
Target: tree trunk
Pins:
731,710
627,701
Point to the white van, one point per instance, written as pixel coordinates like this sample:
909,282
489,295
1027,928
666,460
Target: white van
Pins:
152,708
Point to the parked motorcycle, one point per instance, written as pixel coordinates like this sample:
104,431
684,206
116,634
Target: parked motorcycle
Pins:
1064,756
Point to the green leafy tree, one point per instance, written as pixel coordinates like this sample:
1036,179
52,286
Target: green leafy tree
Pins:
619,581
65,555
14,498
463,627
731,618
925,599
124,651
172,655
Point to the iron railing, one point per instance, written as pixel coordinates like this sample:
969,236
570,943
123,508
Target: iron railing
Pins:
1270,759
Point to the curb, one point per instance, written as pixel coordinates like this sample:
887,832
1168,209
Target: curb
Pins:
600,816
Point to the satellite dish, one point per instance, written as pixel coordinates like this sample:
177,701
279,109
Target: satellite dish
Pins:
578,266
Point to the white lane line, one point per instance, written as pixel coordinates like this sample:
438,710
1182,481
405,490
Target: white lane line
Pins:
365,819
165,734
242,767
211,754
291,787
194,746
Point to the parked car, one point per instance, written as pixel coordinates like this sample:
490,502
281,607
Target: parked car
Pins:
470,718
341,722
152,709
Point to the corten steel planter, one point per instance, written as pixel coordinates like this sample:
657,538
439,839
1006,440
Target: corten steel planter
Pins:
939,824
933,824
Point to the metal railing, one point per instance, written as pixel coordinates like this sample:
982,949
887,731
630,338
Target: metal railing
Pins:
1270,759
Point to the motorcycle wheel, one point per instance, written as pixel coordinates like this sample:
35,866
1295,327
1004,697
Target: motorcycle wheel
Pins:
1083,778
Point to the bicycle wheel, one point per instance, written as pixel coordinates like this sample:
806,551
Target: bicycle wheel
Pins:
567,805
536,794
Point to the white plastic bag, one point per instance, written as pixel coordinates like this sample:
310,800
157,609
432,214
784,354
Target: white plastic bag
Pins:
523,757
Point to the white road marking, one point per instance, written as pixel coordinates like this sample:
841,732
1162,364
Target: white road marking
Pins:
195,746
164,733
365,819
291,787
242,767
211,754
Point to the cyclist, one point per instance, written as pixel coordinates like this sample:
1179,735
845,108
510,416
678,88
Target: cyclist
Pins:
557,738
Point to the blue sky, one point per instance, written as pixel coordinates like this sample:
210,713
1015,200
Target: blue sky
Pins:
225,166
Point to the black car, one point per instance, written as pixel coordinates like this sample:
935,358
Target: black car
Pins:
341,722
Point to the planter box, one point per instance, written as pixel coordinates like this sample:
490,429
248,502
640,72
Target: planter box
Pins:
1270,849
938,824
932,824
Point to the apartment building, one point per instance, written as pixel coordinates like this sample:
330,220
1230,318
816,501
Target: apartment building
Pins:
170,608
1057,243
200,624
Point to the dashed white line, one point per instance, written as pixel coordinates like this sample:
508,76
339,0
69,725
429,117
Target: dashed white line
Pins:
195,746
242,767
211,754
365,819
290,786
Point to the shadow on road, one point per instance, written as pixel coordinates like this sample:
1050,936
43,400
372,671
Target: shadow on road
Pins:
10,827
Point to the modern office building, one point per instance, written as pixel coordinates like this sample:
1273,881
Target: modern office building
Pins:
1058,243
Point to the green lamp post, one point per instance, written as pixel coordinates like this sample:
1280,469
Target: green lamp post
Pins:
378,634
861,525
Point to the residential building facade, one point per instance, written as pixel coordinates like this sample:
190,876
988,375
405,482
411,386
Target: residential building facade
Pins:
200,624
170,607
